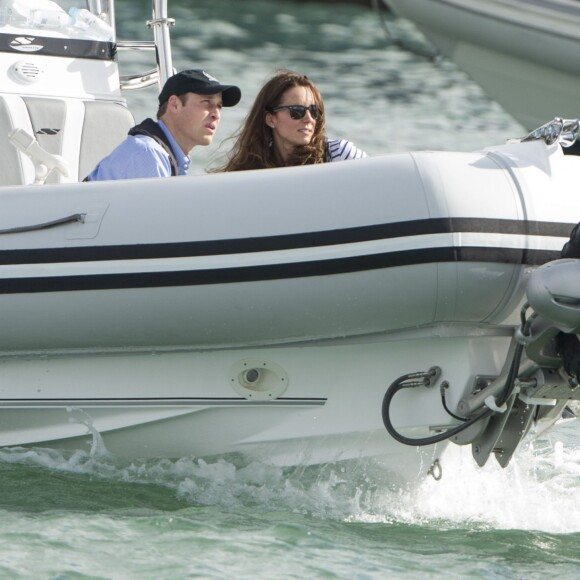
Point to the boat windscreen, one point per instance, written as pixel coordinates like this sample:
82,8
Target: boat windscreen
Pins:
70,19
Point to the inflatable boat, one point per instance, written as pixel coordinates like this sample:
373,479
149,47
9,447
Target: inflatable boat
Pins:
372,309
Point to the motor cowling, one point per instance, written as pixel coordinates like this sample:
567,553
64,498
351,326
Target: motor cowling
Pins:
553,293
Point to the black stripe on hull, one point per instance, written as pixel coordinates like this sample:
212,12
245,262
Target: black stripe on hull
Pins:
285,242
276,271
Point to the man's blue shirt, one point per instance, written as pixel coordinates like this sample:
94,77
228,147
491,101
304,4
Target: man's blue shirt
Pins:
141,156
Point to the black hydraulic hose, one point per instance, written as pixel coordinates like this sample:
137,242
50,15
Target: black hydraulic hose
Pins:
511,378
445,385
393,389
505,394
515,365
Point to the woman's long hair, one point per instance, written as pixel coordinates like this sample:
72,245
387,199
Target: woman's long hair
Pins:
254,146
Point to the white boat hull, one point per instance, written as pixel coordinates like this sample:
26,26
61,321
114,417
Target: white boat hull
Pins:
192,403
525,55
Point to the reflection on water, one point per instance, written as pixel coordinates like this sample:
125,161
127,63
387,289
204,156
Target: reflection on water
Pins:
383,98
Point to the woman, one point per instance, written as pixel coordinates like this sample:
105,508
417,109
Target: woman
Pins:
286,127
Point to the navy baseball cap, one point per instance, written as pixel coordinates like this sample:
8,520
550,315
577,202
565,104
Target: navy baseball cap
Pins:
200,82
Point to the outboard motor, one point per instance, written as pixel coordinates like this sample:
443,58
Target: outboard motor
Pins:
553,293
540,376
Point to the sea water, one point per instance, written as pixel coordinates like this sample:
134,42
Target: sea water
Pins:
76,515
93,515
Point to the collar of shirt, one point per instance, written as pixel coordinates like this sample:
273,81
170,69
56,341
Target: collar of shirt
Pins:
183,160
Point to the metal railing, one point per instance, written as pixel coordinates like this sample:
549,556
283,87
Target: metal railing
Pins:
160,23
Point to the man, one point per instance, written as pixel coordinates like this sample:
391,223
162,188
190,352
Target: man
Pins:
189,113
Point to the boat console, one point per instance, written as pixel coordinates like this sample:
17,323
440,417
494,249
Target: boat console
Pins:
61,85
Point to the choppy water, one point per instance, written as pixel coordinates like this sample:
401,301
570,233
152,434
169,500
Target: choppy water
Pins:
82,516
95,516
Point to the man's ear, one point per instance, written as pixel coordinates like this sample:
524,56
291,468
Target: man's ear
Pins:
173,103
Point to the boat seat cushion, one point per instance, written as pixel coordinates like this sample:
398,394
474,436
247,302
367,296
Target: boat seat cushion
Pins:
83,132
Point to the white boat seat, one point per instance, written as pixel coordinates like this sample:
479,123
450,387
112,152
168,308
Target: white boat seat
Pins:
82,132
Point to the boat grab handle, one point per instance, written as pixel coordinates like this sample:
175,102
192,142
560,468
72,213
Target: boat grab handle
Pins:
139,81
76,217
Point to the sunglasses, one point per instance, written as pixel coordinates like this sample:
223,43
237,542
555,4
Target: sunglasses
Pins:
298,111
